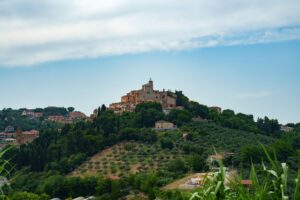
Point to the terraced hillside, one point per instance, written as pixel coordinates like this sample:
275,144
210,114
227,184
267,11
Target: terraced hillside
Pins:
127,157
133,157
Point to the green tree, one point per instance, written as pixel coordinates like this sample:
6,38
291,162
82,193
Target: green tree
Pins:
70,109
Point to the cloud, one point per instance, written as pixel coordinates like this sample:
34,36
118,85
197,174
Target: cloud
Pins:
255,95
34,31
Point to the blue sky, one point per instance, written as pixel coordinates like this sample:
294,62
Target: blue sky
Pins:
238,55
260,79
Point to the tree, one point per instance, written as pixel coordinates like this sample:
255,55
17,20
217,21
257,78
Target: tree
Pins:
166,143
181,99
147,114
197,162
103,108
177,166
179,117
29,196
198,110
71,109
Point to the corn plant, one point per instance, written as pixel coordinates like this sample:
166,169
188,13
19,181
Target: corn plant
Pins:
5,170
270,183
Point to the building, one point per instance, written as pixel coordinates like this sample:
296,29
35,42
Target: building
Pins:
164,125
147,94
76,115
57,118
95,114
9,129
26,136
8,141
4,135
286,128
31,114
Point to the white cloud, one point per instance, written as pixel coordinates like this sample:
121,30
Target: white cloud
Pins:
34,31
255,95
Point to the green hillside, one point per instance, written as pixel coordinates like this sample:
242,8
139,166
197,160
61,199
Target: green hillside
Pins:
79,159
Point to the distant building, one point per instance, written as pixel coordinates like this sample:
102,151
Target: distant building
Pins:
286,128
56,118
26,136
76,115
9,129
164,125
147,94
95,114
31,114
9,141
4,135
27,113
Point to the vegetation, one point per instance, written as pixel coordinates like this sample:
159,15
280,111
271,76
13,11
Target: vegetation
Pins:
15,118
78,159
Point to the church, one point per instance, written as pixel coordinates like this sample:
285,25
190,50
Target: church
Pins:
146,94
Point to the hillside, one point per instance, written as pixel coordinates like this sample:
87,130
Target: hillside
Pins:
118,155
134,157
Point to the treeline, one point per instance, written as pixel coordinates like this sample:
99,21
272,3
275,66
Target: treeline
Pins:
228,118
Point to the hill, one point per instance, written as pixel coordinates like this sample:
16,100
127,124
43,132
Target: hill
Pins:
144,159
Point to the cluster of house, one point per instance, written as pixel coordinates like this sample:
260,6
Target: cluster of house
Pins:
70,118
12,137
32,114
147,94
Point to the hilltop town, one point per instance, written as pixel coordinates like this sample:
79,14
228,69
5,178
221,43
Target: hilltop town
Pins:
167,99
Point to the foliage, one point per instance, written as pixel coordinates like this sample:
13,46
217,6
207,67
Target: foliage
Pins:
270,183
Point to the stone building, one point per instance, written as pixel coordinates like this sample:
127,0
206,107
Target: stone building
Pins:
147,94
164,125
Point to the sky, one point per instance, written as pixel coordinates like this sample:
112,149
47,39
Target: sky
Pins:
240,55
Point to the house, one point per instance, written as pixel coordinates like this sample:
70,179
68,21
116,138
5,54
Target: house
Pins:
286,128
27,113
4,135
56,118
76,115
9,129
146,94
26,136
31,114
164,125
9,141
